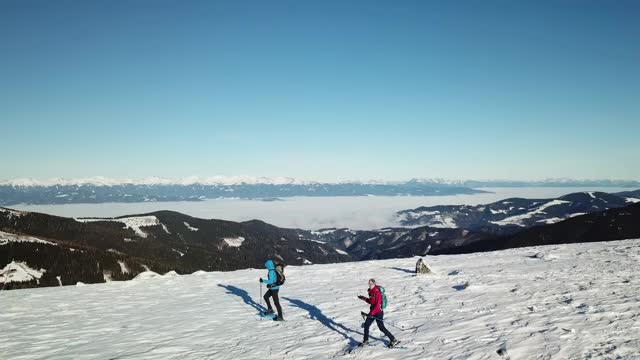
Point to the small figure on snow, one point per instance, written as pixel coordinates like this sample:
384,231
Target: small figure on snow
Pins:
375,313
421,267
274,279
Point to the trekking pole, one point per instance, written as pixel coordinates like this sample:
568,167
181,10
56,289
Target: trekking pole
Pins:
388,323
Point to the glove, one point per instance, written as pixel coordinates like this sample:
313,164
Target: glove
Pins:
362,297
364,315
269,286
260,280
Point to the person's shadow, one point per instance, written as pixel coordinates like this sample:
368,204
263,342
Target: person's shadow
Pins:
408,271
316,314
232,290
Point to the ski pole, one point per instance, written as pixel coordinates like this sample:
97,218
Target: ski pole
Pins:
386,322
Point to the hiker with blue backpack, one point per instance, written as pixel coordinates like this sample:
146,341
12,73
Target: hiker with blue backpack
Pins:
377,302
274,280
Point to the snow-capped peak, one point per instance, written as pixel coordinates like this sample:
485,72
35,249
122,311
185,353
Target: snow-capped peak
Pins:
154,180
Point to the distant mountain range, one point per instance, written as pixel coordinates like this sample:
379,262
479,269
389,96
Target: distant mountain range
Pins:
68,193
98,190
250,180
516,212
44,250
613,224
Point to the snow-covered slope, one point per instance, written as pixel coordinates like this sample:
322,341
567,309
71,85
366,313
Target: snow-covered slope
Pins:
516,212
19,271
579,301
136,223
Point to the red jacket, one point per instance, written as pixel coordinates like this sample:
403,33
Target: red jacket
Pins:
375,299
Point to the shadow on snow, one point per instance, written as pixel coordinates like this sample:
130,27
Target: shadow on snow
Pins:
408,271
316,314
244,295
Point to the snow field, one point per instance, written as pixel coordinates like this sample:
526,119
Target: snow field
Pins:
579,301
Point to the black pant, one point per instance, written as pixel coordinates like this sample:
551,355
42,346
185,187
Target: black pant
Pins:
378,318
273,293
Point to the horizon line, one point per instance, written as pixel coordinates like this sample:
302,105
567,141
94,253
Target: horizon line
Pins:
280,180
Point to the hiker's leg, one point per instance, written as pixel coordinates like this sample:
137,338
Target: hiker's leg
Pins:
367,324
276,300
382,328
266,297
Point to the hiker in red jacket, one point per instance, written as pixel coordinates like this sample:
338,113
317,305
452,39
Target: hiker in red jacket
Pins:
375,313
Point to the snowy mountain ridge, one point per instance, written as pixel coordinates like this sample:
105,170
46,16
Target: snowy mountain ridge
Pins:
516,212
107,191
283,180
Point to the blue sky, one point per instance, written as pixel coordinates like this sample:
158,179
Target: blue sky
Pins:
327,90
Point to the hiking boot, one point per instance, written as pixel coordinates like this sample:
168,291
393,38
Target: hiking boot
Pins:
393,343
278,318
364,343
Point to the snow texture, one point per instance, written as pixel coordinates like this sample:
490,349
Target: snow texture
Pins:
190,227
18,272
135,223
6,238
578,301
517,219
234,242
178,251
123,267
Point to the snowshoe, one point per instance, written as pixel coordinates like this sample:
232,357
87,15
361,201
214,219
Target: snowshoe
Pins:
393,343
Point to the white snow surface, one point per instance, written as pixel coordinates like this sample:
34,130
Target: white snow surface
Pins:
189,226
517,219
578,301
135,223
632,200
123,267
18,272
6,238
146,275
234,242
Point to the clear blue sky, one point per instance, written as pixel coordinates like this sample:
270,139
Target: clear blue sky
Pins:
323,90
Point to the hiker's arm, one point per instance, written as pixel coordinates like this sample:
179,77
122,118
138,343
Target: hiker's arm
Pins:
374,301
272,277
